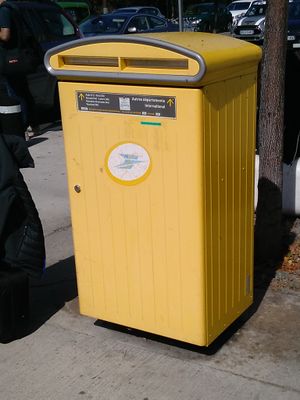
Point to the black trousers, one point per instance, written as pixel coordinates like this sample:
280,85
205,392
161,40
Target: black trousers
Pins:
14,302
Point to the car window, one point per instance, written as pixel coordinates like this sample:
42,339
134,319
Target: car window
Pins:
239,6
256,10
149,10
48,24
77,13
140,23
103,24
115,24
156,22
93,26
125,10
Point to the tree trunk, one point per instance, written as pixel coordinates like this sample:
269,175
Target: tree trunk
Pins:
268,236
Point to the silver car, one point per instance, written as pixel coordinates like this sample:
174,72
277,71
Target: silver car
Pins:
252,26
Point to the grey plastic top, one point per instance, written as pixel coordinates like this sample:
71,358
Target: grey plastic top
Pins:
124,77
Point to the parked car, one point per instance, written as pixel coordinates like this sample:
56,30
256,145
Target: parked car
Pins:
79,10
47,25
207,17
238,8
142,10
117,23
252,26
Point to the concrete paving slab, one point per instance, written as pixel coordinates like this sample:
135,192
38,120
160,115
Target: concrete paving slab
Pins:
70,357
48,180
63,355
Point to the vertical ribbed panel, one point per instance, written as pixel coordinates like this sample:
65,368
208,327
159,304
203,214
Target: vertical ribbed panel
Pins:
139,249
229,148
173,254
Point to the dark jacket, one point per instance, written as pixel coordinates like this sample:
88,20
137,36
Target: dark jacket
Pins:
21,233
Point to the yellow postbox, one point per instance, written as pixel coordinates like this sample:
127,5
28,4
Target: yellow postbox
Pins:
159,134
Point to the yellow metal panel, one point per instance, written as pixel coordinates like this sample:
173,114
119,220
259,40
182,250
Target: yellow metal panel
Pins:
229,147
139,248
173,254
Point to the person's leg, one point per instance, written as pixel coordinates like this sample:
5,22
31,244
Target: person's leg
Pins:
22,89
16,88
11,121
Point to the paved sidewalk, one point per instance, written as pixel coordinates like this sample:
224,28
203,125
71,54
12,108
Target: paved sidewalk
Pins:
68,356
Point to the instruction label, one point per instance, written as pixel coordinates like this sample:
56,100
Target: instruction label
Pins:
144,105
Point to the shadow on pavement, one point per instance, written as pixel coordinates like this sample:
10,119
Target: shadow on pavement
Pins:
259,293
210,350
51,126
213,348
35,140
48,295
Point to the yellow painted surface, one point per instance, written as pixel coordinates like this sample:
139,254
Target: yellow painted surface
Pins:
229,147
171,250
139,249
170,255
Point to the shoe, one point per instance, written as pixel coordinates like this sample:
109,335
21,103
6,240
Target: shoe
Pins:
32,131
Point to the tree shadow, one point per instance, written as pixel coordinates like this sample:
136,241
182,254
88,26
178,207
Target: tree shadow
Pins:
47,296
265,272
273,236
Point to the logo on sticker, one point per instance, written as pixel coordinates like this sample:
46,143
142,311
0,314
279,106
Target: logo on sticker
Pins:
128,162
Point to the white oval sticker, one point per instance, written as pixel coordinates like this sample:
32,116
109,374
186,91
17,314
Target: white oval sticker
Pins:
128,162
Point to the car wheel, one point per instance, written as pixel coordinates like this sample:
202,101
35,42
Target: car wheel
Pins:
229,27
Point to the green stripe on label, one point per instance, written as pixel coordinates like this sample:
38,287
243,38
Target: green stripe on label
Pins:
151,123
